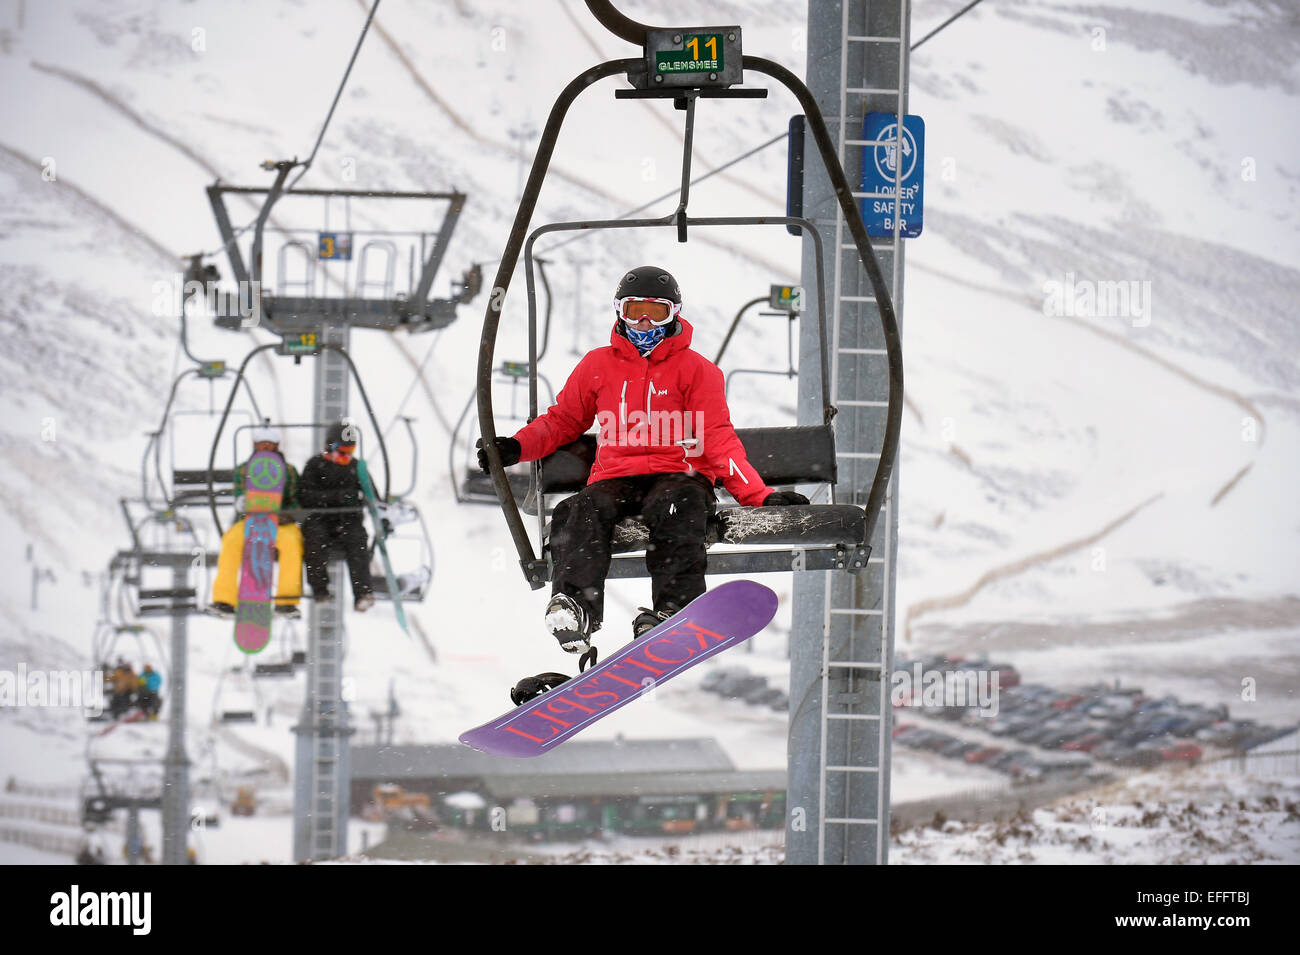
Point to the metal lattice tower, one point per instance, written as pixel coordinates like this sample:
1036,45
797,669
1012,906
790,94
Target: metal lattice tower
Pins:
842,643
320,818
317,320
176,764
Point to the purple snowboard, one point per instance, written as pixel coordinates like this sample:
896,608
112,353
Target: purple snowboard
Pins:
723,617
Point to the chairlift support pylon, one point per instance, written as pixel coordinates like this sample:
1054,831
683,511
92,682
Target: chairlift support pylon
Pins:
841,540
318,325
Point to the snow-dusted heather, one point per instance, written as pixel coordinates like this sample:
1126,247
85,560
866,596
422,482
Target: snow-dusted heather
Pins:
1198,816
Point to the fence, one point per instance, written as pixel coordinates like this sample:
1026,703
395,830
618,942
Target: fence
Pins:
1285,763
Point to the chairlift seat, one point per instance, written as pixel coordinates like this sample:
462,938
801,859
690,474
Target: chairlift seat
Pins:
478,485
274,669
239,716
794,455
783,456
190,485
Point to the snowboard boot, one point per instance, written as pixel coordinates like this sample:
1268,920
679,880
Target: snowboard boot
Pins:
569,623
288,610
364,603
647,620
222,609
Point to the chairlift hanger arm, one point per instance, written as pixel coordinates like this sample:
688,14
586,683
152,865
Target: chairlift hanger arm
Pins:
421,294
415,457
221,425
735,322
623,27
492,318
283,168
546,326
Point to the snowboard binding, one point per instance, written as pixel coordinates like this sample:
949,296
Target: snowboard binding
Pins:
531,687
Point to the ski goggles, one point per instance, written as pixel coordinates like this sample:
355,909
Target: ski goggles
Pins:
673,309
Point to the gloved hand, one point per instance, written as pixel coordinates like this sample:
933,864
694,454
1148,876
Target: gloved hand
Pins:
388,528
508,448
779,498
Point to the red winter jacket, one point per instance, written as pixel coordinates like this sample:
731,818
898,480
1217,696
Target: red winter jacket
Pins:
663,414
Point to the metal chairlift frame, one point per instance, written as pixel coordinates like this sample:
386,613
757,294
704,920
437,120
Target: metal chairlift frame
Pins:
791,315
207,371
281,313
104,643
461,480
400,501
287,663
537,570
216,438
226,715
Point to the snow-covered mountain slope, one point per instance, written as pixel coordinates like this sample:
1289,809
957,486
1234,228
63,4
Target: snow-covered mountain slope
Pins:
1058,473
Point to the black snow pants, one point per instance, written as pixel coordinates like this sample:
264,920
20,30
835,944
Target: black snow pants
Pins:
320,532
675,507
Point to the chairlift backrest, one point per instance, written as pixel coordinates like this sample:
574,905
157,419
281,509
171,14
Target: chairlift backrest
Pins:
308,280
794,455
384,284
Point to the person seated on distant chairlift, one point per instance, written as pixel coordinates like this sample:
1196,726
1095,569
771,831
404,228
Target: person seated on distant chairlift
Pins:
288,540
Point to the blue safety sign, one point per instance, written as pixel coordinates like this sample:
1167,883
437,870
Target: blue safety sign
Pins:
888,164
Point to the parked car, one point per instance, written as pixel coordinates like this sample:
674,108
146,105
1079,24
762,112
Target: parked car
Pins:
1006,759
1113,751
716,678
737,687
1067,701
762,694
1226,732
1085,743
1008,676
1185,751
983,754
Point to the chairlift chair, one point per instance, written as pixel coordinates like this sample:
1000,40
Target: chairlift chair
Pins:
287,659
791,315
237,698
148,649
468,482
814,537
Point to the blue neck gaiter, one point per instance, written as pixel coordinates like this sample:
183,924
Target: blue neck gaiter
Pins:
647,340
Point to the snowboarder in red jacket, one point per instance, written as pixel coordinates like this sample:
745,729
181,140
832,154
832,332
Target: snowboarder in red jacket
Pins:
665,438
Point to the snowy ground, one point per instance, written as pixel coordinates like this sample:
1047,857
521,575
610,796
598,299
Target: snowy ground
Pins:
1196,816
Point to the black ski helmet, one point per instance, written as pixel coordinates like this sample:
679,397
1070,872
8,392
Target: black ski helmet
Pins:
341,432
649,281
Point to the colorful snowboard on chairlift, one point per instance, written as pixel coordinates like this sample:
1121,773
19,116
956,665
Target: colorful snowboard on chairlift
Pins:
264,482
716,621
372,502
